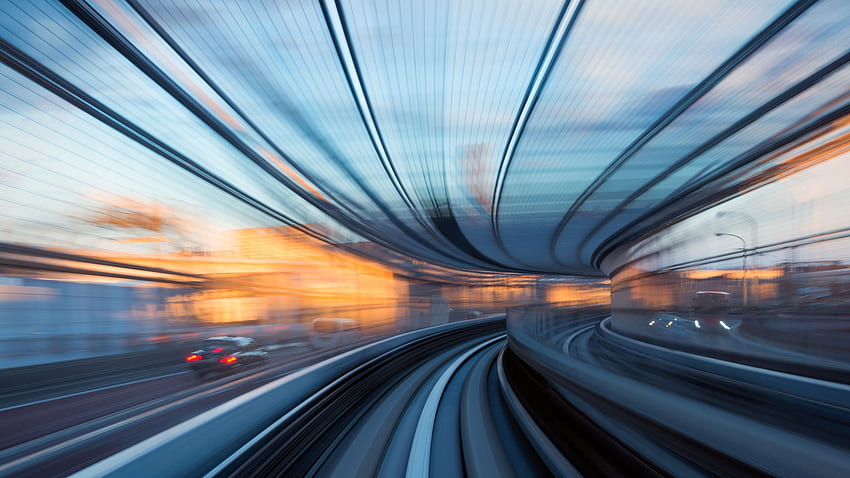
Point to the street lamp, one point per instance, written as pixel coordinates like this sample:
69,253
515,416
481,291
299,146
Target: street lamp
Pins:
754,236
744,262
754,228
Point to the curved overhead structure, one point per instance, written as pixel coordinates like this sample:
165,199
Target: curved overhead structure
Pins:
654,192
487,136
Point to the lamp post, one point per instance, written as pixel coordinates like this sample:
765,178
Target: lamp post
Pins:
754,237
743,260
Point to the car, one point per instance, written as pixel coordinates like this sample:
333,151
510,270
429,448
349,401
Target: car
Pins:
225,353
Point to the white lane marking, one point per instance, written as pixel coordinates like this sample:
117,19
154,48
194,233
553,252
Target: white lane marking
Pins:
57,448
419,461
106,387
22,405
113,463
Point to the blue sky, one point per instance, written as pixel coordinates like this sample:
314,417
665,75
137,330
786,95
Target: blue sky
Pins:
434,79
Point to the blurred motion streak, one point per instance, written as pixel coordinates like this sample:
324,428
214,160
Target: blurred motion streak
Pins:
63,304
799,286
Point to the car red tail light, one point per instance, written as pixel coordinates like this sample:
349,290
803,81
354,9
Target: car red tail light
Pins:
217,350
193,357
230,359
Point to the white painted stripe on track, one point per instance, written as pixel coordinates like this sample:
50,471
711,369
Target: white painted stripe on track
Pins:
419,461
115,462
76,394
266,431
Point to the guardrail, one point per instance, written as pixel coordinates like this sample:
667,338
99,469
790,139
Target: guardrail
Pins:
673,431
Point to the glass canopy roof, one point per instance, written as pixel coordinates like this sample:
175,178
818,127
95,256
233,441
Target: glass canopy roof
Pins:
494,135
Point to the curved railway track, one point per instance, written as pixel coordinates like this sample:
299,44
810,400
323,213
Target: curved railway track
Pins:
455,401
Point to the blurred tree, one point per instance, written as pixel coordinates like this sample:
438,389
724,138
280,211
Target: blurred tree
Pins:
144,222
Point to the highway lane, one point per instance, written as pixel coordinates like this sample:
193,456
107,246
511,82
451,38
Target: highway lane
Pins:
427,403
61,435
31,421
31,384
